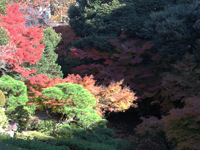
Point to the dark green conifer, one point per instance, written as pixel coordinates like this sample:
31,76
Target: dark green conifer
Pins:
175,30
98,21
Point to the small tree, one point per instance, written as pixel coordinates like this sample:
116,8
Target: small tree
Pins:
73,100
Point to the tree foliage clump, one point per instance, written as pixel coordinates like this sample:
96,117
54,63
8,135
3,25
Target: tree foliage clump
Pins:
182,81
174,31
182,125
77,103
15,92
20,115
47,63
111,98
133,60
3,37
153,130
25,44
180,108
103,20
68,37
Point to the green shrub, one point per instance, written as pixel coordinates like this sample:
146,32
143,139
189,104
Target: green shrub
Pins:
78,104
99,135
15,92
67,144
19,115
33,145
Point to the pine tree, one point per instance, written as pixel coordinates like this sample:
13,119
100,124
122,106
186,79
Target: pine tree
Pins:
102,20
174,31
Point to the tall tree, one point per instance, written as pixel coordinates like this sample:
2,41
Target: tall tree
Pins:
174,31
102,20
25,43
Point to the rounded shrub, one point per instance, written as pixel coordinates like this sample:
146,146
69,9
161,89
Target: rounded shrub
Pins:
77,103
15,92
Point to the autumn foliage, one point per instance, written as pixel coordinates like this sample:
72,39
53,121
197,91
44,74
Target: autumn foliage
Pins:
182,125
111,98
153,130
68,37
25,43
183,81
133,60
30,10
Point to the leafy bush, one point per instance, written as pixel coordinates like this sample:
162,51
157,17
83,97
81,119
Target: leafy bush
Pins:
182,126
92,142
183,80
15,92
152,130
29,144
20,115
74,101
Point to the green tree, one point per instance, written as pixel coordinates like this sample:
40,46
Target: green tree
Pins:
73,101
99,21
175,30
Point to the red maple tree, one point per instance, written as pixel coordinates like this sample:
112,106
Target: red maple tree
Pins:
25,43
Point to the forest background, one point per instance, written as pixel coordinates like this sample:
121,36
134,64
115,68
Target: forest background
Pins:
135,56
